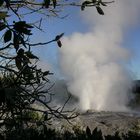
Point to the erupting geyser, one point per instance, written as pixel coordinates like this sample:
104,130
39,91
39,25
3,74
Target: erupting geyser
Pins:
94,63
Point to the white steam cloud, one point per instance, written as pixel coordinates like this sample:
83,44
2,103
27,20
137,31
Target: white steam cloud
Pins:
93,63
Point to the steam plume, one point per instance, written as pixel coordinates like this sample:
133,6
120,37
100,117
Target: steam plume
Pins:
93,63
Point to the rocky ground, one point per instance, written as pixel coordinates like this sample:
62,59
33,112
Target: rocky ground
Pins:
108,122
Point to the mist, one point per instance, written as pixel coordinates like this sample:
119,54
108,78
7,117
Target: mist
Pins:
94,63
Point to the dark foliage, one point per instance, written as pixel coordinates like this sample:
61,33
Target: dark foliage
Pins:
44,133
22,84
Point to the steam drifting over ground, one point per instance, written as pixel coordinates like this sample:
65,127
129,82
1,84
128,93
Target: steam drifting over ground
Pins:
93,63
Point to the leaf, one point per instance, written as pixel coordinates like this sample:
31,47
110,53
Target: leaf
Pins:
19,24
82,7
88,132
86,2
37,77
2,26
28,26
58,37
99,10
7,36
3,15
54,3
18,63
20,52
102,3
47,3
1,2
16,41
26,31
95,131
59,43
47,73
22,27
97,135
30,55
23,42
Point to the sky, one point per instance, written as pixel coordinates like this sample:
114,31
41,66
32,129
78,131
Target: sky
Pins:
132,42
55,26
75,22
